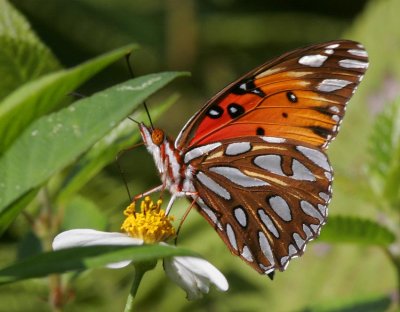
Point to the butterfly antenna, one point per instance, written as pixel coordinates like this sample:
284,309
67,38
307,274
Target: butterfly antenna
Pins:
148,115
135,121
127,59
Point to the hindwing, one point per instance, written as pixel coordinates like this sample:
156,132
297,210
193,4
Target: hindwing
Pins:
265,196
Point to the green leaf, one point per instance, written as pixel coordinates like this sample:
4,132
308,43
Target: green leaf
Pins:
105,151
346,229
46,94
384,151
22,56
11,211
81,258
80,212
56,140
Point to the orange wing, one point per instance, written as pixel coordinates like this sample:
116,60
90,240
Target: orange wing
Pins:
301,95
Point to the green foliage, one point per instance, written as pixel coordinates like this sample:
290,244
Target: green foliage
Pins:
45,94
81,258
346,229
23,57
384,151
56,140
80,212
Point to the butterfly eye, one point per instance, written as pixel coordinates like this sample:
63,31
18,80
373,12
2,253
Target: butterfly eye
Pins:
157,136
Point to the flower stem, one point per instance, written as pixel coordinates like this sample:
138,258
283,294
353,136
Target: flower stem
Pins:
140,269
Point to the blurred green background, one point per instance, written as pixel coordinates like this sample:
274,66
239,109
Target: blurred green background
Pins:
218,41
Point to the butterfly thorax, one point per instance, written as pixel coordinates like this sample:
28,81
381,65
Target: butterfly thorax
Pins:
175,175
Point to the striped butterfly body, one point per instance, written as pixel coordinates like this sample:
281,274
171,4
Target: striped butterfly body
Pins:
252,159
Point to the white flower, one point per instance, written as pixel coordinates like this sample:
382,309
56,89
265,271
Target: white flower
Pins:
192,274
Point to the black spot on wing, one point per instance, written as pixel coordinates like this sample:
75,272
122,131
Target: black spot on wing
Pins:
321,131
291,97
235,110
247,86
323,110
215,112
260,131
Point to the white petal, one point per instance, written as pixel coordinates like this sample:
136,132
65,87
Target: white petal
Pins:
194,275
89,237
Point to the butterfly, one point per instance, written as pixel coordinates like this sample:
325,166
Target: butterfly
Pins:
252,160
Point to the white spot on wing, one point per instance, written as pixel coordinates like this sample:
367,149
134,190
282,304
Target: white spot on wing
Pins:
285,262
273,139
292,251
316,228
280,207
329,51
307,231
238,177
265,247
267,270
315,156
313,60
301,172
240,216
234,149
329,85
334,109
298,240
358,52
310,210
213,186
322,209
324,196
210,213
332,46
328,175
246,253
349,63
200,151
271,163
213,112
268,222
231,236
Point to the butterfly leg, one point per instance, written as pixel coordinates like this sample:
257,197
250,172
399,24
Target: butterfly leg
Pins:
170,203
194,196
153,190
179,194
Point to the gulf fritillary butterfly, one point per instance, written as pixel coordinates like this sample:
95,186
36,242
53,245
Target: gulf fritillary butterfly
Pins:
252,160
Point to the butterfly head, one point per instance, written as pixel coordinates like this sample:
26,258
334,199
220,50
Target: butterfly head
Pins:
157,136
152,137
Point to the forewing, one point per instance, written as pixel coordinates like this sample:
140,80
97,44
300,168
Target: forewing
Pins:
301,95
266,197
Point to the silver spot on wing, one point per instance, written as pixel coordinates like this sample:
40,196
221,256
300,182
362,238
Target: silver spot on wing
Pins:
280,207
213,186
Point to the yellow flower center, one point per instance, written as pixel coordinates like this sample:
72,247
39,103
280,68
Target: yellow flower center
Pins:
150,224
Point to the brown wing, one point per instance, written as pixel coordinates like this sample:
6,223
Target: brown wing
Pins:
301,95
266,197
